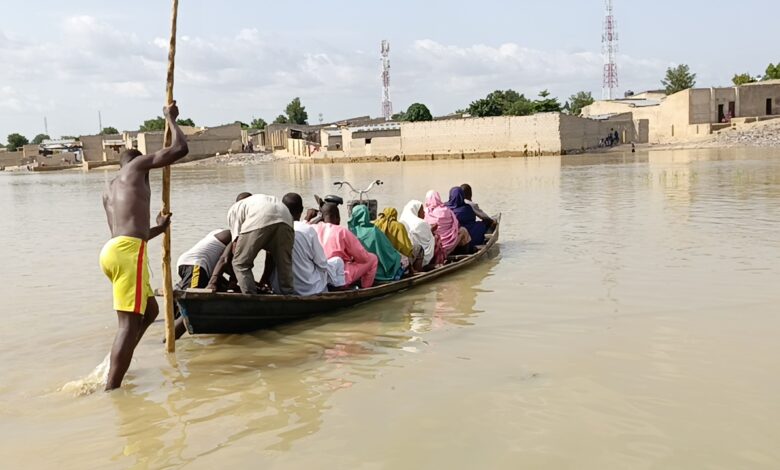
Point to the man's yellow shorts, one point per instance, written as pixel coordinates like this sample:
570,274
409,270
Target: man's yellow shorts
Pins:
125,262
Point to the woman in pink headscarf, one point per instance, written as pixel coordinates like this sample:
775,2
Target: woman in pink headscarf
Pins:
444,222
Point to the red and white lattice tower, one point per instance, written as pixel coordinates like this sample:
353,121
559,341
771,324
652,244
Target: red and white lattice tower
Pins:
387,105
609,41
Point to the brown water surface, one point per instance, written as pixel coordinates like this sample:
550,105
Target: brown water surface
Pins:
629,319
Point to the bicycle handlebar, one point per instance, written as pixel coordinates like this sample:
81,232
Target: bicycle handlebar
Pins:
360,193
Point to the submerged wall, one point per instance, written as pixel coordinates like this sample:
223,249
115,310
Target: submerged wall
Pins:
203,145
490,137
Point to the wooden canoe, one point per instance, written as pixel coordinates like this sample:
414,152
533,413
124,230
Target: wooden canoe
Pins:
208,312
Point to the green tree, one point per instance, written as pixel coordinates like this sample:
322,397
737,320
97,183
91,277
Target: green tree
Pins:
399,116
296,113
678,79
38,139
772,72
158,124
16,141
579,101
109,131
485,107
258,123
418,112
153,125
281,119
522,106
545,104
740,79
502,103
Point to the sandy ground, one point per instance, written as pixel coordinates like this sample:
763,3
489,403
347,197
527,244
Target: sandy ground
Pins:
759,134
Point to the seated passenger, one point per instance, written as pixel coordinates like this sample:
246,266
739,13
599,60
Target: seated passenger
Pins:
197,265
389,268
467,217
444,222
309,264
396,232
422,234
338,242
480,213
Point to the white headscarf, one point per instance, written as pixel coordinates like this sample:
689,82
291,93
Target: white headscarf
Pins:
419,230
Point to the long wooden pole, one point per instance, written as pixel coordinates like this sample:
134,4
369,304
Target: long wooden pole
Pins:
170,340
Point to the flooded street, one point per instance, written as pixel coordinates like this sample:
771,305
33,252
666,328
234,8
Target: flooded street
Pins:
630,318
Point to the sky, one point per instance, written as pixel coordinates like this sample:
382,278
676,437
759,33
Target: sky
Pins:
240,59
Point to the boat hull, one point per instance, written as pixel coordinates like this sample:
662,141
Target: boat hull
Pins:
207,312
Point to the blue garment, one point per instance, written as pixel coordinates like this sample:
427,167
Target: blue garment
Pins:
467,217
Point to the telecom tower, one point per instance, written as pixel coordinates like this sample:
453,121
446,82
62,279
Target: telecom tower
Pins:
387,105
609,41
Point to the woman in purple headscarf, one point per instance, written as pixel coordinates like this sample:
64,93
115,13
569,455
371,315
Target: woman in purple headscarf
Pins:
467,217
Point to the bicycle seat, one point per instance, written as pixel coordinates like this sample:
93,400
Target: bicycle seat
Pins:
332,199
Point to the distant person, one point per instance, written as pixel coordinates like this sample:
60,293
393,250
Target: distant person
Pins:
422,234
125,259
196,266
258,223
376,242
250,147
337,241
467,218
468,194
387,222
445,223
616,138
311,269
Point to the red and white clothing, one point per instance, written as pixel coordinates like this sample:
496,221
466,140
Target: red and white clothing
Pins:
339,242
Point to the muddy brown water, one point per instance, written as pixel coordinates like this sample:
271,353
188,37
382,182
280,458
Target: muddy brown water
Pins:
629,319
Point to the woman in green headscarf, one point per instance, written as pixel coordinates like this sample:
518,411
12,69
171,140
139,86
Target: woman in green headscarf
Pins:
376,242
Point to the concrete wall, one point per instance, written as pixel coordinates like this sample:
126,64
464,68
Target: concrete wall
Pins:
752,100
541,134
693,113
206,144
11,158
92,147
521,135
578,135
31,150
603,108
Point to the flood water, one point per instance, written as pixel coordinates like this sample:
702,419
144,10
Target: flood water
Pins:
629,319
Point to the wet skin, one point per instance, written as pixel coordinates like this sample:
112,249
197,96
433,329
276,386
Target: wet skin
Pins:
127,203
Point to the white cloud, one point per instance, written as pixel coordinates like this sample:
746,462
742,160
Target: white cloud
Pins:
95,65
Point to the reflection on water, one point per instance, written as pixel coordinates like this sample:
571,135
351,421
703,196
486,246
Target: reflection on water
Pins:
628,320
279,382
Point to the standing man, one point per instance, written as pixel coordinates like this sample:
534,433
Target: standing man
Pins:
257,223
124,258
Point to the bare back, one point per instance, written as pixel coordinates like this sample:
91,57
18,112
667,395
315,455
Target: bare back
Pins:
127,202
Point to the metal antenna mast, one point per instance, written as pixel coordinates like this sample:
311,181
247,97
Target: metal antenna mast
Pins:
387,105
609,41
